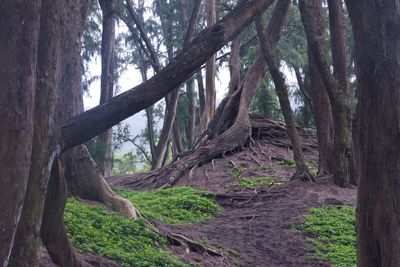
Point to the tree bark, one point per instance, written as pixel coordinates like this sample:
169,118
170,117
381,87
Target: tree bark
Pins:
43,148
323,119
378,124
191,125
268,46
107,81
90,123
311,17
210,96
18,47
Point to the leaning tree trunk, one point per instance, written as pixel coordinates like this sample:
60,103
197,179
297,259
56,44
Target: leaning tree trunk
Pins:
268,48
43,148
18,53
378,124
104,143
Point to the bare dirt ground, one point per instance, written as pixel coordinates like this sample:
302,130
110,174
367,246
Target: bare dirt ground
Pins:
256,225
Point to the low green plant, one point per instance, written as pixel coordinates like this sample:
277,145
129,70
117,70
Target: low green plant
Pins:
288,163
177,205
246,182
129,242
253,182
333,234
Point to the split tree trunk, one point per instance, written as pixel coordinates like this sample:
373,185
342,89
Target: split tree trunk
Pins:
311,17
378,124
18,53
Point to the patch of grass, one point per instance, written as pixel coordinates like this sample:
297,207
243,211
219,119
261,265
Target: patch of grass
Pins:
333,231
129,242
288,163
246,182
177,205
253,182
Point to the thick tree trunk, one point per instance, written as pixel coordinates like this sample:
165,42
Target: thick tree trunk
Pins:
378,124
311,17
18,53
43,148
107,81
268,48
210,99
84,126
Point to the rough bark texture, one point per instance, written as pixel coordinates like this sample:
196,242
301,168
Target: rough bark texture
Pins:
268,46
311,17
323,119
18,47
43,149
210,99
377,57
191,125
107,81
90,123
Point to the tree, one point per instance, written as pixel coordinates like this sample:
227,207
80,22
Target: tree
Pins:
18,46
376,42
268,48
107,81
335,85
210,99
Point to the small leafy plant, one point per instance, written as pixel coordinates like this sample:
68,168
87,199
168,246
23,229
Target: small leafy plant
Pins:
333,234
177,205
246,182
129,242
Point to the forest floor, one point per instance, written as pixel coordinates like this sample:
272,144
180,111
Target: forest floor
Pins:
256,227
260,205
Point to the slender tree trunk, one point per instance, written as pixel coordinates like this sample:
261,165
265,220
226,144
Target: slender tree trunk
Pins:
268,48
209,107
18,53
311,17
191,113
107,81
378,120
200,88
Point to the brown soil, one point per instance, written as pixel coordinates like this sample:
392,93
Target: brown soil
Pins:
256,225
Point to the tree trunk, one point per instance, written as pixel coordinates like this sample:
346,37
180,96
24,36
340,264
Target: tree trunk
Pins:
18,47
200,89
210,99
43,148
378,124
191,123
107,81
311,17
269,40
323,119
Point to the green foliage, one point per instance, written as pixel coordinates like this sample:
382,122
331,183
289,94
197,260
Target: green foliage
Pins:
289,163
246,182
129,242
260,181
178,205
333,231
124,163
